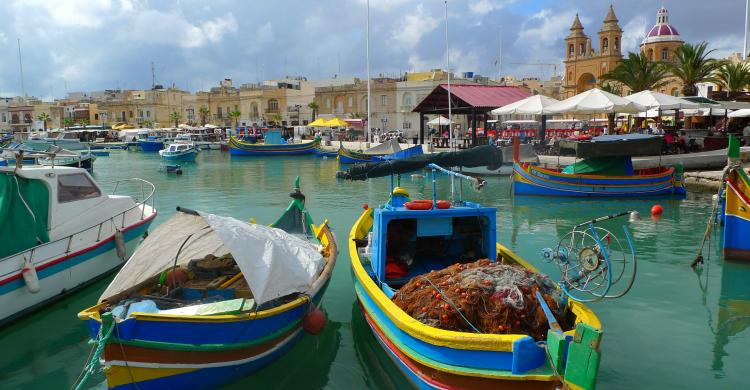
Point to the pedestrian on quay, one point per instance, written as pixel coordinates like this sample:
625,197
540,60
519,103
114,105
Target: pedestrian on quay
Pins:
746,134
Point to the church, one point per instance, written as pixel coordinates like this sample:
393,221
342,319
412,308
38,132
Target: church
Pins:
585,64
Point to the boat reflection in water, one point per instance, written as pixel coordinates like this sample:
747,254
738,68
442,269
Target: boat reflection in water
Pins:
733,316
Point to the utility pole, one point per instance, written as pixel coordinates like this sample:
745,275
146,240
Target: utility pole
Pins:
153,75
20,67
367,134
744,46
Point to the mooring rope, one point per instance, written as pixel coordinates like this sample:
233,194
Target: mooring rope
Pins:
91,366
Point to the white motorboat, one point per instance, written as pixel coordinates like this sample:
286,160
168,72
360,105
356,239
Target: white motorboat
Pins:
61,231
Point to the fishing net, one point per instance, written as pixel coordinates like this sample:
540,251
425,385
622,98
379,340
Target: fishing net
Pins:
483,297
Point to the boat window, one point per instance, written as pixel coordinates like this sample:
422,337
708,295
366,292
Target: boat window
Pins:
75,187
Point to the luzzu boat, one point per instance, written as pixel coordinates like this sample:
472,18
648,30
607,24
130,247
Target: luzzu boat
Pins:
320,152
377,153
179,317
348,156
736,208
60,231
606,171
431,357
272,146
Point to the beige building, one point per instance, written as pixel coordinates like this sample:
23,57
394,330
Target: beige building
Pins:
350,101
660,44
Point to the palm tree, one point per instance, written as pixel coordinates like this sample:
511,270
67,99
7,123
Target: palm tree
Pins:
83,122
732,77
175,117
204,113
148,123
67,122
276,119
44,117
692,66
613,88
236,116
314,107
638,73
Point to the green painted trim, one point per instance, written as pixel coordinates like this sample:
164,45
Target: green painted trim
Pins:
203,347
744,176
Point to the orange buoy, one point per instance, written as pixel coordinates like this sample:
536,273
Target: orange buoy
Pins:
314,321
177,277
424,204
657,210
365,206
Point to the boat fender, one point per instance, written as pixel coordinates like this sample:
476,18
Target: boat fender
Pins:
120,244
423,204
29,276
314,321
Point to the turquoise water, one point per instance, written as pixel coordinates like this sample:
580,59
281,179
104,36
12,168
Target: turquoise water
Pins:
676,328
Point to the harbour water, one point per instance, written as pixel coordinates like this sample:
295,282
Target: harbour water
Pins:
675,329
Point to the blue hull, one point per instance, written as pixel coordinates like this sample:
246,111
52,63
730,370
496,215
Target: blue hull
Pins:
180,157
151,146
240,152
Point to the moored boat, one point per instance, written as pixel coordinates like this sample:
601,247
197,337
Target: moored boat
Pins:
151,144
605,171
320,152
180,150
272,146
209,299
66,158
736,207
61,231
393,249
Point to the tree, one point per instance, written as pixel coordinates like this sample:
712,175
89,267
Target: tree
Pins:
613,88
732,77
355,115
148,123
314,107
204,113
276,119
175,117
83,122
692,66
236,116
638,73
44,117
67,122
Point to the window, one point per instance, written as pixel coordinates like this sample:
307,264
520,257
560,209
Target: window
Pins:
190,113
328,102
407,125
77,186
131,114
351,101
664,54
140,113
605,44
254,109
148,114
617,43
383,100
218,112
583,49
650,54
5,119
273,105
571,50
96,117
407,100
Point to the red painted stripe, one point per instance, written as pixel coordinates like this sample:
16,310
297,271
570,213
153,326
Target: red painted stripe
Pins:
74,254
738,192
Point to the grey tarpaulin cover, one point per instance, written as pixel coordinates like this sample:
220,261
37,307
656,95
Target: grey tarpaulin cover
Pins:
274,262
387,147
613,145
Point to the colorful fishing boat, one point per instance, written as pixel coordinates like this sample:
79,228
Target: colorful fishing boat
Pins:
209,299
736,207
320,152
348,156
605,171
393,246
61,231
376,153
272,146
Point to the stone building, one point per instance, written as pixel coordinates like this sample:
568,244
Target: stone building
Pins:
350,101
660,44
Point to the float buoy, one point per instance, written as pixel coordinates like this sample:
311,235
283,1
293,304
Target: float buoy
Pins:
657,210
314,321
120,244
424,204
29,276
177,277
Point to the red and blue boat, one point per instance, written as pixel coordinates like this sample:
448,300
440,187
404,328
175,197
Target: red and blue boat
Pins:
208,299
272,146
736,208
605,171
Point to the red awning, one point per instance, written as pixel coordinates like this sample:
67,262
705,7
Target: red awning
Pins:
466,98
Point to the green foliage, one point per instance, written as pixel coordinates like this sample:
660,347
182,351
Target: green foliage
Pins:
204,113
67,122
44,117
692,66
733,77
175,117
613,88
148,123
638,73
236,116
314,107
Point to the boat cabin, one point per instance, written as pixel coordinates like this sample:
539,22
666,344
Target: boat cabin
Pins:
419,241
176,148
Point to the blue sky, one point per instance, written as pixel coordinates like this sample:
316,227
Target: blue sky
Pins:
84,45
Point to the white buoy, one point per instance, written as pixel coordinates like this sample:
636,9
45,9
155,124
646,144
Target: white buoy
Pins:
120,244
635,216
29,276
416,176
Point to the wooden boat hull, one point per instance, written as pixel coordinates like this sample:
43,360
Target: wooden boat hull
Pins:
532,180
436,358
737,216
324,153
240,148
347,156
188,155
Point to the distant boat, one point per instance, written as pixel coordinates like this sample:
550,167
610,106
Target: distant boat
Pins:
180,150
320,152
67,158
348,156
273,146
151,144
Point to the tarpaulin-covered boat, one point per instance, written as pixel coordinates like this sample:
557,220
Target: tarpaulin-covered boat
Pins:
272,146
605,171
209,299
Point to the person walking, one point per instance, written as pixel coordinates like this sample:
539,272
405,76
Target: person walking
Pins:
746,134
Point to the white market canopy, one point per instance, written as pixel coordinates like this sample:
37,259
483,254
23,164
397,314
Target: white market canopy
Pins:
440,121
744,113
706,111
532,105
660,101
595,101
273,262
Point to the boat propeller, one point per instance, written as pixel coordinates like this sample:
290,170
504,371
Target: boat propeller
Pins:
593,262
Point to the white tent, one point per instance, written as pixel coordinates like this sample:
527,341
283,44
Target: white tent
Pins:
744,113
273,262
658,100
706,111
595,101
440,121
532,105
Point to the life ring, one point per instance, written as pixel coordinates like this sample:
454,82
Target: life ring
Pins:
424,204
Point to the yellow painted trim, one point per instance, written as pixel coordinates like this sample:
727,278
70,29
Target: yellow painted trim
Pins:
667,178
121,375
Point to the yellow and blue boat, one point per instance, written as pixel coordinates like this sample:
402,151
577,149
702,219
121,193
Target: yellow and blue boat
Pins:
605,171
179,317
272,146
435,358
736,209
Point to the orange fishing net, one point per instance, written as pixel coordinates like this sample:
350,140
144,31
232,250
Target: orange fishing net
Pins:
484,297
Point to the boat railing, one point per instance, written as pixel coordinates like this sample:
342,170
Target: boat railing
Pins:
148,198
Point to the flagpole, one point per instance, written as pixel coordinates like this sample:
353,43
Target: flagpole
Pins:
448,69
368,74
744,46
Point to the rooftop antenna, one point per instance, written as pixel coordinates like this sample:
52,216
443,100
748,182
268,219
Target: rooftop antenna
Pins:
153,75
20,67
500,57
368,73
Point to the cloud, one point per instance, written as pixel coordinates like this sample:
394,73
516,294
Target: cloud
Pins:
384,5
3,37
171,28
546,26
413,27
483,7
634,31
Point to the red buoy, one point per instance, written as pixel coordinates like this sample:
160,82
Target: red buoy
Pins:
365,206
314,322
177,277
657,210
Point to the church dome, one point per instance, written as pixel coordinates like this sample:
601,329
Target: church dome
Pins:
662,30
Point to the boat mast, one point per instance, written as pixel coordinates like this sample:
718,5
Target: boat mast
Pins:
448,69
368,73
20,67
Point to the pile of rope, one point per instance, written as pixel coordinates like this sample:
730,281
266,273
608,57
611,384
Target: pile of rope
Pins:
483,297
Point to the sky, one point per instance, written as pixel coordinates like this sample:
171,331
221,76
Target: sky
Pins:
89,45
